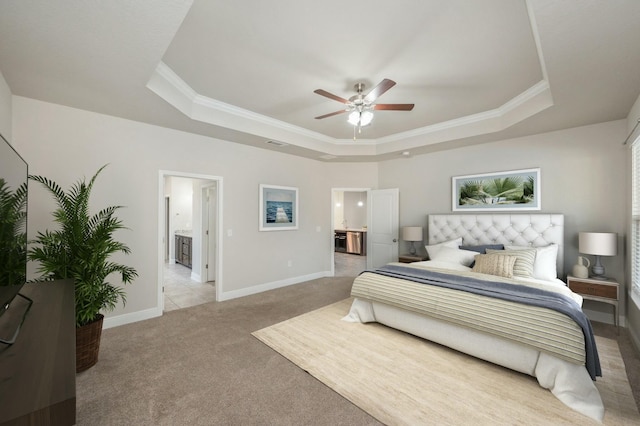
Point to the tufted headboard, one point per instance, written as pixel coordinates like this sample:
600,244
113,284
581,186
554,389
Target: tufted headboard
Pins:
535,230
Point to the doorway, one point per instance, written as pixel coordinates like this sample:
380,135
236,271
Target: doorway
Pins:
349,220
189,233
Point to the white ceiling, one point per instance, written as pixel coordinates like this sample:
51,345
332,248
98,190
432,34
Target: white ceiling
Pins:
245,71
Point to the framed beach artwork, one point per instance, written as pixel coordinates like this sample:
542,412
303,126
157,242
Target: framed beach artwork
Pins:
278,208
512,190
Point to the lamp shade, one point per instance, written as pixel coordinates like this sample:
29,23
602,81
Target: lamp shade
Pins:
598,243
412,233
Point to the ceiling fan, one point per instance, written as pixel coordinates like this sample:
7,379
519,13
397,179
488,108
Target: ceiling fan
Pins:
360,106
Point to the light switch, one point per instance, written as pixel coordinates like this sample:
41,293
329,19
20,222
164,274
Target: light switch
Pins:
229,232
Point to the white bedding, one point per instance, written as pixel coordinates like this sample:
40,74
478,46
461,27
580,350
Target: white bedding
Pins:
569,382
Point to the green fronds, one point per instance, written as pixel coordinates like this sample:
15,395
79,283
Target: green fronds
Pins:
13,233
81,248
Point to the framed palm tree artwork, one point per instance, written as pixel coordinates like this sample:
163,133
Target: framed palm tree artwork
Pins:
511,190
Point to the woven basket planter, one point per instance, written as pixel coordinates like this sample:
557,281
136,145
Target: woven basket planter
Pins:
88,344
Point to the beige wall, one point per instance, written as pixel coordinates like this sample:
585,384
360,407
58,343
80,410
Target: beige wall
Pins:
65,144
583,176
5,109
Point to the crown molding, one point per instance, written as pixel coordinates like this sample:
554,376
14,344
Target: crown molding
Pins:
173,89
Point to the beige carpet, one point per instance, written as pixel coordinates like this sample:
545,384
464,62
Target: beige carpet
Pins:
400,379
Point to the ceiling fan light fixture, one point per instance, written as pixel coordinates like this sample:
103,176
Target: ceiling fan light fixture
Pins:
354,117
365,118
360,118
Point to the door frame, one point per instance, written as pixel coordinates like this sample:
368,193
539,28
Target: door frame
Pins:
332,260
162,174
212,237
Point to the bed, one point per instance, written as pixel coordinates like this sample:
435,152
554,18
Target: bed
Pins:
548,340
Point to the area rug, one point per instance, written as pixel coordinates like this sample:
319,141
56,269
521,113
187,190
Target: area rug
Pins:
403,380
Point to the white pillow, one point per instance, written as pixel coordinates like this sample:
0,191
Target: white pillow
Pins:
433,249
544,266
454,255
441,265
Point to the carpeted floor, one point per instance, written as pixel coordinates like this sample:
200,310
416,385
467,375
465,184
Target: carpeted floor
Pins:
202,366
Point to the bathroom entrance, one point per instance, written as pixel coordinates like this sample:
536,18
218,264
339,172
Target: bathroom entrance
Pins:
190,223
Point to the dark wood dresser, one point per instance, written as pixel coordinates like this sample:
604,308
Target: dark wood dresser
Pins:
37,372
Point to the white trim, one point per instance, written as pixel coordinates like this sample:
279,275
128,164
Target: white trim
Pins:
132,317
234,294
536,37
165,83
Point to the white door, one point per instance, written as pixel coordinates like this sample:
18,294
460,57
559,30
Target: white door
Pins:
383,225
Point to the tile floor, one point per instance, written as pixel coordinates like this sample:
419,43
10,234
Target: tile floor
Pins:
180,291
349,265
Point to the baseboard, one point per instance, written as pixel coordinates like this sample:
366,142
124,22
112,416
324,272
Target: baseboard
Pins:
604,317
132,317
119,320
234,294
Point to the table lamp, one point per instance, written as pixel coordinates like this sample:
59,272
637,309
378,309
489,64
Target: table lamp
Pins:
413,234
598,244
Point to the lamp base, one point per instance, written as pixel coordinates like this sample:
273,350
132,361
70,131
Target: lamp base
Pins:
597,270
412,250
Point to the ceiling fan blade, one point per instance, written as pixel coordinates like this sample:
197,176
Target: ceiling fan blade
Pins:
331,114
394,107
330,96
384,85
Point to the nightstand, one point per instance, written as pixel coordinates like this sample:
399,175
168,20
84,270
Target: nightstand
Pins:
408,258
600,290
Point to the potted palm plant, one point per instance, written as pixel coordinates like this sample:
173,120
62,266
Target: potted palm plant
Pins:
80,249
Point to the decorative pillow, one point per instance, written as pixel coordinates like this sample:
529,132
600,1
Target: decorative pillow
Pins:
544,267
495,264
433,249
454,255
482,249
524,263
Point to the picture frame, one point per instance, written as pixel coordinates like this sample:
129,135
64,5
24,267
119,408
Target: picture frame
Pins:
512,190
278,208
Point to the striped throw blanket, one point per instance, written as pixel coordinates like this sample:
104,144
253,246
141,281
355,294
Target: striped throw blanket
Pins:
546,320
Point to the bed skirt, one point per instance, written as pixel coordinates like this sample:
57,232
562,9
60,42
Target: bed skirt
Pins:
569,382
